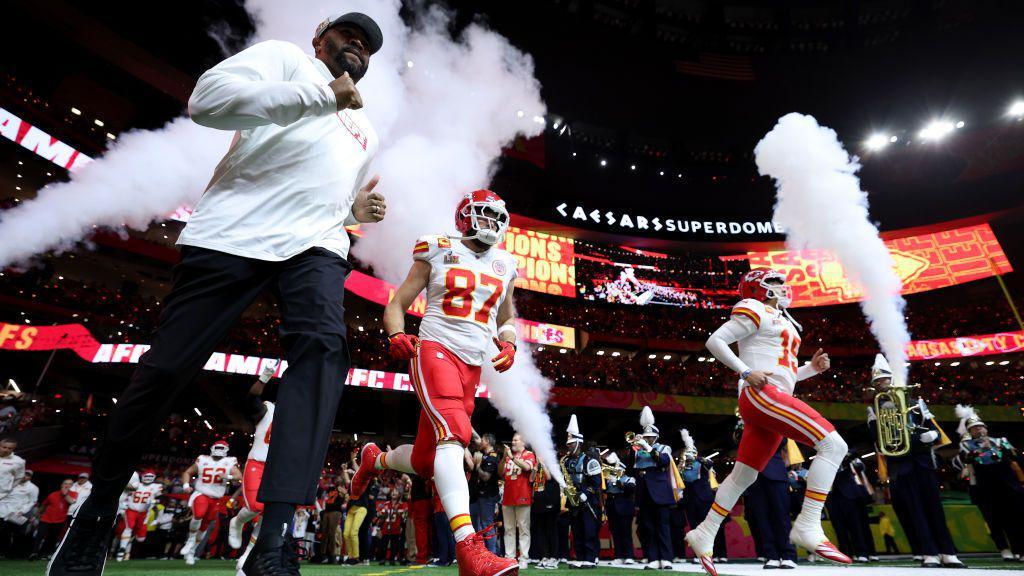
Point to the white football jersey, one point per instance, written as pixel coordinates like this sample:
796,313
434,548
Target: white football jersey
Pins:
773,347
463,295
261,438
212,475
144,496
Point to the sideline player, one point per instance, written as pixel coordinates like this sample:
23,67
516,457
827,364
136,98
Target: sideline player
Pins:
262,413
469,286
212,473
769,341
137,506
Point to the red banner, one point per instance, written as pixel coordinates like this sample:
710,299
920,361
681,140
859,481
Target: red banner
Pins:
923,262
966,346
544,262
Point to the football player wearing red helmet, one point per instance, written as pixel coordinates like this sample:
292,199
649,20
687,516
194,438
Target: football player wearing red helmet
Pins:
469,283
768,369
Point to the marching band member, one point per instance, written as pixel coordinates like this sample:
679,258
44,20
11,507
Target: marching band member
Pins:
914,481
652,463
584,473
620,506
698,490
995,486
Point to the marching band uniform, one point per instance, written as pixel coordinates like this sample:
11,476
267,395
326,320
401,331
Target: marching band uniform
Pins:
651,463
585,474
698,495
768,503
620,506
847,510
994,485
914,482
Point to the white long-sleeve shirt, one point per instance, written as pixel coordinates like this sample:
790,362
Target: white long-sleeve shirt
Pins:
12,468
288,181
19,501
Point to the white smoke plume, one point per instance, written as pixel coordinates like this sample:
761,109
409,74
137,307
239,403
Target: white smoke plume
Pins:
519,394
443,109
821,206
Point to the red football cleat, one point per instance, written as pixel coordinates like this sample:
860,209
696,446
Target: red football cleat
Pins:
367,470
814,541
829,552
476,560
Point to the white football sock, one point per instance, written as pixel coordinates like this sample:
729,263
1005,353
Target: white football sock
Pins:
453,489
831,451
397,459
729,491
245,514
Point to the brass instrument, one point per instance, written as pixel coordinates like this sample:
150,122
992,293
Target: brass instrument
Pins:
632,438
572,496
612,472
891,413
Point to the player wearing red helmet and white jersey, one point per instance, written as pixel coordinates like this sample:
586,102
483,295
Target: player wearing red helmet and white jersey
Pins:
768,341
469,310
212,473
140,497
261,413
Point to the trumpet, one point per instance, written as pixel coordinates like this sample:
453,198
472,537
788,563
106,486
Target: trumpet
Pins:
632,438
891,412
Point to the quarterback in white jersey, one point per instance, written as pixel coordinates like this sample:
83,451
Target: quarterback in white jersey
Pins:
212,471
767,365
141,495
469,284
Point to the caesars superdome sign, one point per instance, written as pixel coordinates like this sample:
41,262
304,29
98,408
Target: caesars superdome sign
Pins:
641,222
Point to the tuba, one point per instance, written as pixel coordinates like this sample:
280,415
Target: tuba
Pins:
891,412
572,496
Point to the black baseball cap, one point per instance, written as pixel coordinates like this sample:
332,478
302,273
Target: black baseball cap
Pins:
362,21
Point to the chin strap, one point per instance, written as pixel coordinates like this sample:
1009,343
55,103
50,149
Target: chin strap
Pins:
799,328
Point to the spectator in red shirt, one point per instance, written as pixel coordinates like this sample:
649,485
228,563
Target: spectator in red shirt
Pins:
52,515
391,516
517,465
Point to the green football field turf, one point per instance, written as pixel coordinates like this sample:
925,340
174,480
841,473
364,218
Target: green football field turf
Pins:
224,567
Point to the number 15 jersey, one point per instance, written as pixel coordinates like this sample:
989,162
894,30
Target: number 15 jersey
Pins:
773,345
464,293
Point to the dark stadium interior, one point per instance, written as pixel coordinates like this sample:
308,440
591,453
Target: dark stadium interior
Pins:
628,129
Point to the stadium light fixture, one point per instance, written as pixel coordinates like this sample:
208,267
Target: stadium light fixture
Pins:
666,357
1016,109
99,122
600,352
700,359
563,351
632,166
540,348
661,173
573,154
604,162
198,413
989,363
13,385
1003,363
938,129
616,354
76,111
876,142
652,356
954,363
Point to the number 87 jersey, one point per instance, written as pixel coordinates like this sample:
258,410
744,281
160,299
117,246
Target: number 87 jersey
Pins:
771,344
464,292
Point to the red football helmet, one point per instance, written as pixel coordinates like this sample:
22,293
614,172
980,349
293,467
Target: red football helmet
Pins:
148,476
481,215
219,449
764,284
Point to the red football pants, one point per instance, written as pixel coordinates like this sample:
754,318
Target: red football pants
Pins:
768,416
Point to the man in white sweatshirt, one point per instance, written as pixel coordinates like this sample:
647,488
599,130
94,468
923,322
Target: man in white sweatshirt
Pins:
272,217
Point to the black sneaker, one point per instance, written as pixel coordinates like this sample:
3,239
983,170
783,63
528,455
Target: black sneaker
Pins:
268,562
83,550
291,553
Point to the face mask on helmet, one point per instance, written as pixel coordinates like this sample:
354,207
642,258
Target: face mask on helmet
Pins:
219,450
489,221
148,478
776,288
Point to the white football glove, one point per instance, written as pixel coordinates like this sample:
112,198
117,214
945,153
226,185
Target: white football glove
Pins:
186,488
644,444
